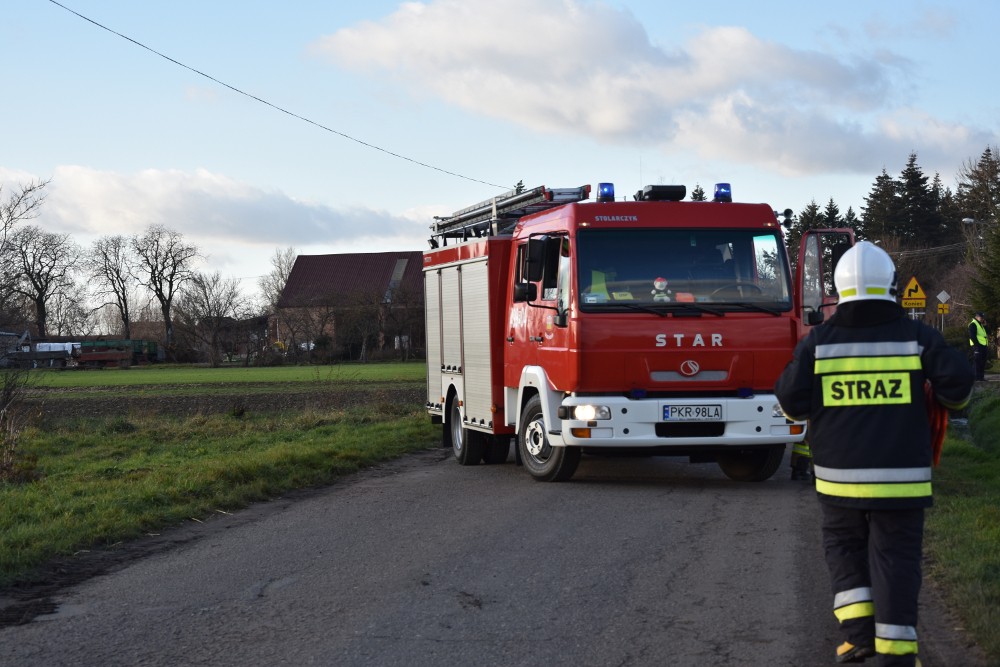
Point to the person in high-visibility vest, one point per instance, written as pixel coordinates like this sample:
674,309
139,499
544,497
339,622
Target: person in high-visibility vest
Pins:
859,378
979,343
801,461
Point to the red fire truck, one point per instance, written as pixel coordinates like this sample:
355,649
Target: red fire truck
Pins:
654,326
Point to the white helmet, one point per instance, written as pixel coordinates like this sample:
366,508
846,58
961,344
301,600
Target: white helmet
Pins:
865,272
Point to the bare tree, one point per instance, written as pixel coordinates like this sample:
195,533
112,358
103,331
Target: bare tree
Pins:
209,306
45,262
68,313
24,203
112,265
272,284
164,265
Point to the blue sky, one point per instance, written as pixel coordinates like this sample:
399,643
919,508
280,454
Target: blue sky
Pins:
788,101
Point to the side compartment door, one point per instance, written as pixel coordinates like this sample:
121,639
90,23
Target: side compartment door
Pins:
816,294
435,343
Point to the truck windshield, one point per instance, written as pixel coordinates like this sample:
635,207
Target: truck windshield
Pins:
620,268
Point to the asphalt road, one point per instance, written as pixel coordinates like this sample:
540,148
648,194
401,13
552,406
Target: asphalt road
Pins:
423,562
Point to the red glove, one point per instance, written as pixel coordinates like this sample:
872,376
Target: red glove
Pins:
937,414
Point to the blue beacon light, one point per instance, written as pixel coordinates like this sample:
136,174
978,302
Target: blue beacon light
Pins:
605,192
723,192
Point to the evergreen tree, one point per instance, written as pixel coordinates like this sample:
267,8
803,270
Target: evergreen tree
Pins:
831,215
851,219
978,195
811,217
919,223
882,209
698,194
978,199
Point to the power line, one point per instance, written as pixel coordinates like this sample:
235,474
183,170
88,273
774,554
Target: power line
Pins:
274,106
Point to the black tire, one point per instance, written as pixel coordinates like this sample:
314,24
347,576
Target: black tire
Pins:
543,462
497,449
752,465
466,445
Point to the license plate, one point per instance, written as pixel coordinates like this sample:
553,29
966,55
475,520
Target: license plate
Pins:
690,413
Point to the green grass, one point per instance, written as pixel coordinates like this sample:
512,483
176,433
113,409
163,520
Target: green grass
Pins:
107,480
963,528
191,375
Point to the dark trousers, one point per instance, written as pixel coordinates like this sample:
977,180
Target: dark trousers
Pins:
979,361
876,551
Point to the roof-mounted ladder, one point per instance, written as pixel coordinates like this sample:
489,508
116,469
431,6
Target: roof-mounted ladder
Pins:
498,215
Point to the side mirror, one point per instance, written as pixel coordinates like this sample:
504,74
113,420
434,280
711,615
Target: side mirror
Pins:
525,292
814,317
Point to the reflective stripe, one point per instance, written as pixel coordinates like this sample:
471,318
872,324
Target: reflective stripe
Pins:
854,603
848,364
852,291
852,611
894,647
869,475
801,448
895,639
886,349
918,490
861,594
887,631
866,389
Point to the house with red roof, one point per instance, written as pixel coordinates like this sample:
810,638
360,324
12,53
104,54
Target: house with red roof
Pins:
352,306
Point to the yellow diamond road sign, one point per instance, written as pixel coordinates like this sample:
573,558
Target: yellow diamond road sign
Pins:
913,295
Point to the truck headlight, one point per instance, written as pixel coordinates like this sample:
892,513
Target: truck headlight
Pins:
777,412
587,413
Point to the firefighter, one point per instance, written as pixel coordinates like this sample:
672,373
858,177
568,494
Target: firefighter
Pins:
979,344
859,378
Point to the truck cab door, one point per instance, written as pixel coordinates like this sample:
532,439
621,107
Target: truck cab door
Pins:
535,328
816,295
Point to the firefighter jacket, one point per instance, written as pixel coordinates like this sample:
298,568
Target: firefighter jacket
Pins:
859,380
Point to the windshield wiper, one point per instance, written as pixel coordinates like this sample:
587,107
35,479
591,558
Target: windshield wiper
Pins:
662,309
638,306
758,307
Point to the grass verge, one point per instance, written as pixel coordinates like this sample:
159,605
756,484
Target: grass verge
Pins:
194,375
963,528
102,481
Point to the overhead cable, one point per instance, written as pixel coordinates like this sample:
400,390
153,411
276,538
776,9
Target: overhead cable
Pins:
274,106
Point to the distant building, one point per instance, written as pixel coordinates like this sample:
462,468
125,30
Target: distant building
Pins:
352,306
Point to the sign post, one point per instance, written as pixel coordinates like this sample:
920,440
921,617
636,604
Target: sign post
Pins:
914,297
943,307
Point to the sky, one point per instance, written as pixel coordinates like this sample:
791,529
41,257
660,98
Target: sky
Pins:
338,126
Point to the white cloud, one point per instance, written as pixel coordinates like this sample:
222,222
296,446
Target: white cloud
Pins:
586,68
228,220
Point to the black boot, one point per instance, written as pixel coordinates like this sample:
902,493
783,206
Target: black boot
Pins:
800,468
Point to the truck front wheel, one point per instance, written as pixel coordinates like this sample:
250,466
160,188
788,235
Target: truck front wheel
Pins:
751,465
543,461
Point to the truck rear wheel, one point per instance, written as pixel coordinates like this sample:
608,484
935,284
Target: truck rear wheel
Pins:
466,445
751,465
543,461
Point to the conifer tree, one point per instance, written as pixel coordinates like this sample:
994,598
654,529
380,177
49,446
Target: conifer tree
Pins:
881,210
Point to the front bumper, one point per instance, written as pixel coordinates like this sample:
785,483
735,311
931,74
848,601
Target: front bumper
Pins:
728,422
